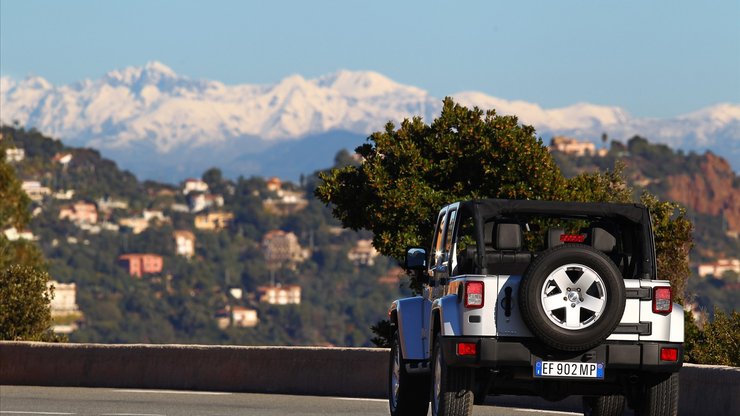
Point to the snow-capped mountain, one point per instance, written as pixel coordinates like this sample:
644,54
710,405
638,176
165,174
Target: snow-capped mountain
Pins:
165,125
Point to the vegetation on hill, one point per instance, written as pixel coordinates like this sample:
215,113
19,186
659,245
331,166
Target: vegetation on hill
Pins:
24,298
339,300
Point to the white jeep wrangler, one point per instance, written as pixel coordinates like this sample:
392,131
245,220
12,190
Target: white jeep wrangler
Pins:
539,298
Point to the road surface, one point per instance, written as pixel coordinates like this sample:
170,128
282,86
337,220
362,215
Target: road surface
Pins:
49,401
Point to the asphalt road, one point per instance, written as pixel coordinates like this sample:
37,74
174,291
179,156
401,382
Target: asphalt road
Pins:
24,400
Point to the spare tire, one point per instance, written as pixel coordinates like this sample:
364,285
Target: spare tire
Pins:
572,297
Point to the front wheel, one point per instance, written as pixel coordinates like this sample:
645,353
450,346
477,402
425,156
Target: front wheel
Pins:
408,394
452,387
659,397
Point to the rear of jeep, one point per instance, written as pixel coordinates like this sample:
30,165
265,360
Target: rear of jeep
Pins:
549,299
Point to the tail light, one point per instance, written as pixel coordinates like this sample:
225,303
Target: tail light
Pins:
466,348
473,294
662,300
669,354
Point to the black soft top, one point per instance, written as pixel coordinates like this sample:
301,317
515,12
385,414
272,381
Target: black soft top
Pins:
483,210
488,208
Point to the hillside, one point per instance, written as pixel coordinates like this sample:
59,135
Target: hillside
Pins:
221,260
703,183
214,261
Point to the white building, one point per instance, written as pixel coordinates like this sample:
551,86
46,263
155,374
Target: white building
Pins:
244,317
64,301
185,243
718,268
13,234
34,190
15,155
280,295
194,185
363,253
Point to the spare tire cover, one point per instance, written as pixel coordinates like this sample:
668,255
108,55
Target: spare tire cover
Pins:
572,297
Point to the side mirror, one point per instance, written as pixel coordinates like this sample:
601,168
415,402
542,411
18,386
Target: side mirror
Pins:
416,259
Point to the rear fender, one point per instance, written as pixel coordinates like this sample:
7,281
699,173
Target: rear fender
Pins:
411,317
447,312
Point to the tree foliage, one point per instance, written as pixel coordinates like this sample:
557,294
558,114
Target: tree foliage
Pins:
672,230
24,304
24,299
13,201
409,172
718,343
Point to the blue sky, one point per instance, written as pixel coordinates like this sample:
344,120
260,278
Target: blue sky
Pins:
654,58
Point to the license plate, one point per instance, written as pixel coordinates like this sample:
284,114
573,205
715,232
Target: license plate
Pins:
568,369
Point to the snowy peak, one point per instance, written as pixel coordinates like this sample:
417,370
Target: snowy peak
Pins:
152,107
151,72
361,84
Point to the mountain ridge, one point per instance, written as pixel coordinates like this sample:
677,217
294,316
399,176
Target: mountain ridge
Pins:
151,108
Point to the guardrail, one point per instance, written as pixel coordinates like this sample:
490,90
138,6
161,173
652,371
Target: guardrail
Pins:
351,372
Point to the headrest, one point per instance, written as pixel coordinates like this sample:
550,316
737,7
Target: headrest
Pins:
553,237
602,240
508,237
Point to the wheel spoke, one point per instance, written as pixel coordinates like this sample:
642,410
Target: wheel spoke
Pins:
573,317
586,280
562,280
592,303
553,302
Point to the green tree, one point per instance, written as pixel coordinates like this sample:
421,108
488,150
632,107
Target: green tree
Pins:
409,172
24,304
672,230
13,201
718,343
24,299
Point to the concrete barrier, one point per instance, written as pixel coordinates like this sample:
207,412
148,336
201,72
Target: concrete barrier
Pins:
351,372
358,372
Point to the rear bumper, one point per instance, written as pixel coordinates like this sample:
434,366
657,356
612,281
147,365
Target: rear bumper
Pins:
496,353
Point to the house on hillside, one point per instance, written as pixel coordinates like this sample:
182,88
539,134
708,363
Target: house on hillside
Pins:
64,310
137,225
155,215
719,267
13,234
35,191
81,212
65,298
286,202
194,185
14,155
108,204
62,158
201,201
274,184
140,264
213,221
64,194
281,248
280,295
237,316
184,243
363,253
571,146
243,317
